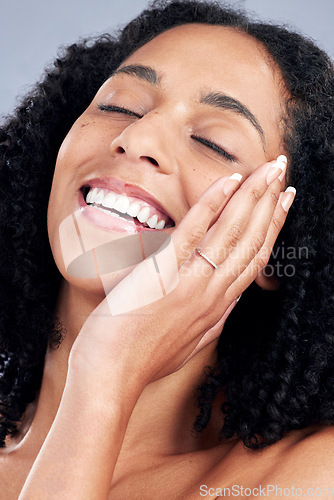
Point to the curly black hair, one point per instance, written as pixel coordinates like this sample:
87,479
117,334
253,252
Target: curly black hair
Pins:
276,354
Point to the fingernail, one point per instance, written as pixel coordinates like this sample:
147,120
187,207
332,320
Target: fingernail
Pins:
287,198
277,170
282,161
232,183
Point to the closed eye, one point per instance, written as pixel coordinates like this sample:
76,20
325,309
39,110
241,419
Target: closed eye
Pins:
118,109
215,148
206,142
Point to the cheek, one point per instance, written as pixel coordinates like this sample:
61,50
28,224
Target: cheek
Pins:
75,249
197,179
81,145
75,146
84,142
87,137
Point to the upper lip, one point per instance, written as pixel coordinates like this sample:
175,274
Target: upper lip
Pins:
123,187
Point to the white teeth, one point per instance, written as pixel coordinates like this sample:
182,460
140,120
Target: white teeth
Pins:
99,197
160,225
134,209
109,200
122,204
93,194
152,221
89,196
143,214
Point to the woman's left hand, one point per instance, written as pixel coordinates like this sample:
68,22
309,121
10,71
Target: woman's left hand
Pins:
154,338
114,357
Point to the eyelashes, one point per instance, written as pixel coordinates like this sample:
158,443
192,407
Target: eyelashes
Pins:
118,109
202,140
215,148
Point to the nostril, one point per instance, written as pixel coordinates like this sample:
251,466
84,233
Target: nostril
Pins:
120,150
151,160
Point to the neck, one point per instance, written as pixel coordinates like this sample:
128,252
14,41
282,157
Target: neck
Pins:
166,409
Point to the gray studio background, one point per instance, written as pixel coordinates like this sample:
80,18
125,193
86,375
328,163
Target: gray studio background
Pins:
32,30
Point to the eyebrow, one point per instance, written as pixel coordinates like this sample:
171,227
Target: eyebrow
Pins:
225,101
216,99
142,72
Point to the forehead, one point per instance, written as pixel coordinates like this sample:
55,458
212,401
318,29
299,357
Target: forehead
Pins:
196,58
209,51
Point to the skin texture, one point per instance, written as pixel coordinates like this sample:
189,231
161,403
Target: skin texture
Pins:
172,114
139,440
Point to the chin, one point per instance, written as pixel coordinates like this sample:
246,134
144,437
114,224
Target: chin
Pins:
83,276
94,250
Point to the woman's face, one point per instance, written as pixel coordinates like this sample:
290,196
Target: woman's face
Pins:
196,103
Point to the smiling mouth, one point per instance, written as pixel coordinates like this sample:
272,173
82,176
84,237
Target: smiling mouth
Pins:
126,207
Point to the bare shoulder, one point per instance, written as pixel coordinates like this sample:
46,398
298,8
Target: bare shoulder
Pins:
307,460
301,464
14,469
9,476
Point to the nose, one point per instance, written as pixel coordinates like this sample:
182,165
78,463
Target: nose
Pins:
146,141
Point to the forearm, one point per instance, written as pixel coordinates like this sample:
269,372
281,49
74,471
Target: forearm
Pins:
80,452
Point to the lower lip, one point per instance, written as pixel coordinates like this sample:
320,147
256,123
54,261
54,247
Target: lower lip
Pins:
108,222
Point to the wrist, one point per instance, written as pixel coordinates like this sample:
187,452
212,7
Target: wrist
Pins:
106,391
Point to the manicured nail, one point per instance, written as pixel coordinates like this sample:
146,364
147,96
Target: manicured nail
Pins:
287,198
277,170
232,183
282,161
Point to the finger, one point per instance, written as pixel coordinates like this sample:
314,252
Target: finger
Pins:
255,234
262,257
202,215
225,235
280,214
